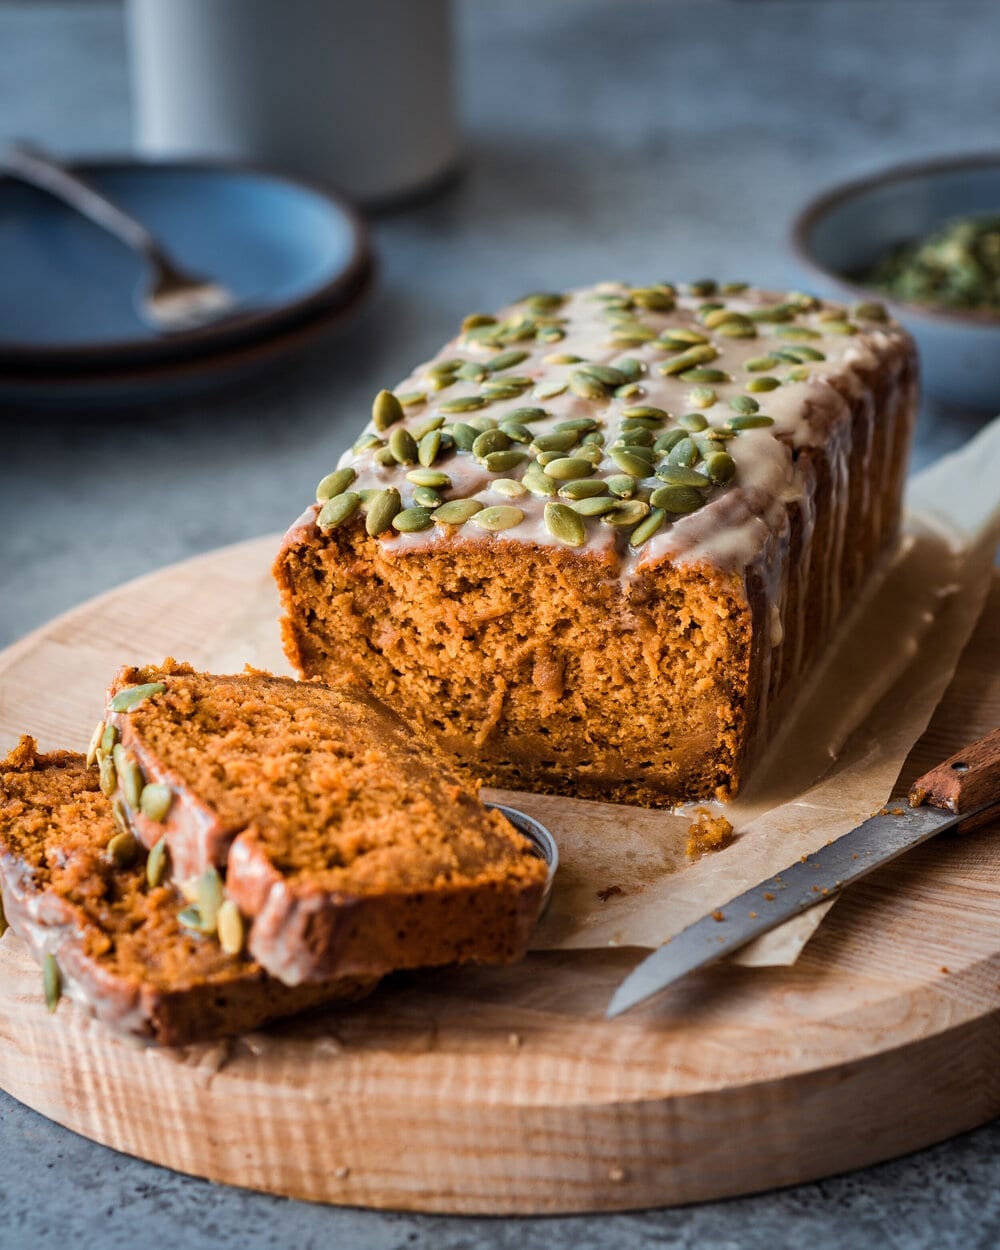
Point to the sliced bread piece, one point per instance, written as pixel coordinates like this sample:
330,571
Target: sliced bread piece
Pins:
76,890
346,840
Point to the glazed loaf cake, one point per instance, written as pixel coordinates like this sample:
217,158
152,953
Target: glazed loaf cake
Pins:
106,923
594,544
346,843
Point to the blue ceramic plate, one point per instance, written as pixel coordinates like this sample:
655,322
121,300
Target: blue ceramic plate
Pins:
847,229
288,250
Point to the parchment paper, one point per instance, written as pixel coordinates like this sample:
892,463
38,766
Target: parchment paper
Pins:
833,764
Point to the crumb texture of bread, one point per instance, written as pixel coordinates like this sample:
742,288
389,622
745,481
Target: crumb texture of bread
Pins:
345,838
121,951
706,833
734,460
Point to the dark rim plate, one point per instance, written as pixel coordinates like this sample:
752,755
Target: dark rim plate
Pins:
340,287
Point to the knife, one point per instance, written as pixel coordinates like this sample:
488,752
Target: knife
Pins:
963,792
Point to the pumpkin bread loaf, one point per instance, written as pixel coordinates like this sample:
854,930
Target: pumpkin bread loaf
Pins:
107,928
347,843
597,543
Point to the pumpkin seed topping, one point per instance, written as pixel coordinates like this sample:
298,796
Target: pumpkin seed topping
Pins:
548,390
108,780
426,497
95,742
230,927
744,404
760,364
557,440
756,421
628,461
334,483
693,421
129,775
645,413
506,360
381,510
190,918
679,499
122,850
403,446
596,505
797,332
705,375
668,440
464,435
386,410
155,801
339,509
464,403
51,982
429,477
565,525
628,512
679,337
156,864
684,453
582,488
646,528
457,511
510,487
503,461
586,386
522,415
623,485
476,320
128,699
501,517
538,482
763,383
677,475
700,354
209,899
515,432
490,440
412,520
428,447
701,397
720,467
412,399
567,467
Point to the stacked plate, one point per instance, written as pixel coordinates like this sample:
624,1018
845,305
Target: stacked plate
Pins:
296,257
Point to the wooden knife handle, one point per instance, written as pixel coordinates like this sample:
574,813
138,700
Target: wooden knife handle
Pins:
966,780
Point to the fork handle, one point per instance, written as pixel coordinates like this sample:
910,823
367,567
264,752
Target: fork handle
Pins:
38,169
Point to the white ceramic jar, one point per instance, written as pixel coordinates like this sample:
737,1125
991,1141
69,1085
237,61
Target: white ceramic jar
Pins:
358,93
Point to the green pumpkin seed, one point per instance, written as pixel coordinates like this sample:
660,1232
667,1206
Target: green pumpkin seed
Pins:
582,425
551,334
582,488
51,982
596,505
694,356
803,302
334,483
629,462
594,454
757,421
622,484
561,358
762,384
515,432
412,520
510,487
594,439
386,410
384,457
476,320
337,510
870,311
190,918
774,314
669,440
108,777
129,698
632,368
680,337
645,413
471,371
565,525
230,926
645,530
464,435
504,390
744,404
429,477
156,864
155,801
403,446
457,511
426,497
503,461
500,517
629,512
803,353
538,482
428,448
760,364
129,775
701,397
693,421
95,743
586,386
527,414
122,850
839,327
607,374
797,332
679,499
442,368
801,374
566,468
412,399
464,403
209,892
717,316
548,390
677,475
704,286
558,440
506,360
635,436
684,454
109,738
490,440
544,301
654,298
705,375
381,510
720,467
737,330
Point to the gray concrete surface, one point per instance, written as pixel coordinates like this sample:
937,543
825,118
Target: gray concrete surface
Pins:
605,139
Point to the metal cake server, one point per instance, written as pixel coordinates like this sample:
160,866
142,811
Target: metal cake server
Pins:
174,299
963,791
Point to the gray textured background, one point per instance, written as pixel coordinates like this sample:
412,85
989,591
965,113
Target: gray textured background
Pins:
606,138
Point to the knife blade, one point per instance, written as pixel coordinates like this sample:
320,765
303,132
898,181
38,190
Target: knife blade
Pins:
964,790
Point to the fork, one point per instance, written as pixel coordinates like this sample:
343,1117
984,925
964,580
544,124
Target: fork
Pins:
173,299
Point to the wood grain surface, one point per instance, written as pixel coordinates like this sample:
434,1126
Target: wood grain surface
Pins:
506,1091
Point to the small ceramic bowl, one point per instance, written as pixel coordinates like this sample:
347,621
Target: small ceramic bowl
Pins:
847,229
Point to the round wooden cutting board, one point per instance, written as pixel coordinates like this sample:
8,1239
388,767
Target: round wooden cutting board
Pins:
505,1091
